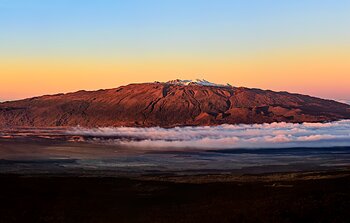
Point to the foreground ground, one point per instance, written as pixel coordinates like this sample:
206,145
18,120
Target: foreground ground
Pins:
292,197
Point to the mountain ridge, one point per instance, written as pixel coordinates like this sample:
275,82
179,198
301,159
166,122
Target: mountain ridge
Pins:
169,104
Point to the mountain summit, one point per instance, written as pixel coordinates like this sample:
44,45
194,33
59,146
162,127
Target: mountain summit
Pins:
200,82
168,104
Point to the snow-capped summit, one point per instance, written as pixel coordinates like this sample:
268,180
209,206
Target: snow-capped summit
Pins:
201,82
345,101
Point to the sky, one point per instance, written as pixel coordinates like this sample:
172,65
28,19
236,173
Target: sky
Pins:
56,46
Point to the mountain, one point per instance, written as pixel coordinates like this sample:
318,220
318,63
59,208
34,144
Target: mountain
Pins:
168,104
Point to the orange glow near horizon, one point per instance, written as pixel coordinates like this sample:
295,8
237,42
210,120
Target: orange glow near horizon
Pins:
49,47
318,72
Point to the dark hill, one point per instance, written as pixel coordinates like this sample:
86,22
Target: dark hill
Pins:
167,105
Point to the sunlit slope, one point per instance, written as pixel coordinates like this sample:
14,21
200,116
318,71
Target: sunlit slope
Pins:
167,105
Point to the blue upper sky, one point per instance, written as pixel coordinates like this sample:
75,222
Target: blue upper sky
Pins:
254,43
107,26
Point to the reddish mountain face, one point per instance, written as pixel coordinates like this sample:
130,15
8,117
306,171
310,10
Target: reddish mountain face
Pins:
168,105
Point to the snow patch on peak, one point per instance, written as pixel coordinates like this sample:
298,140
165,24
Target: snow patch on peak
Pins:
200,82
345,101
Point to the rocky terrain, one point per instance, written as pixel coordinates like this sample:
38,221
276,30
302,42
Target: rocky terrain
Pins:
168,104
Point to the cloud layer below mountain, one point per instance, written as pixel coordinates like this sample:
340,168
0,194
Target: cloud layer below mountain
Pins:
275,135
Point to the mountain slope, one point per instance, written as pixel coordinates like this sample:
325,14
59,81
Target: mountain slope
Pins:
169,104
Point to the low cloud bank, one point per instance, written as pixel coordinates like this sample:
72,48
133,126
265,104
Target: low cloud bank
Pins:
275,135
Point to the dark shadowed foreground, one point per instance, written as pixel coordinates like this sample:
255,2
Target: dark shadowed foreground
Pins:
303,197
52,176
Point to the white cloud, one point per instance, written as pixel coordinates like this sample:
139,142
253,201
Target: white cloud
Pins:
275,135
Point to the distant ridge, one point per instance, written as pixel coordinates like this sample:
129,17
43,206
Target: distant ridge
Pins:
168,104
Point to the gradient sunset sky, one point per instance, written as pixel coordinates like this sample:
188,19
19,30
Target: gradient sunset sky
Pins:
53,46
